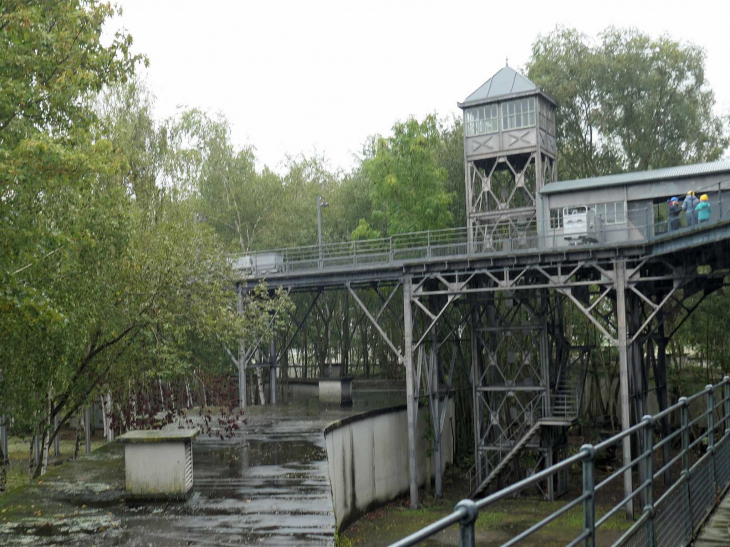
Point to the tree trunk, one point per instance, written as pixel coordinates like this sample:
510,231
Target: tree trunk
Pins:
77,442
306,355
45,440
260,382
106,404
3,471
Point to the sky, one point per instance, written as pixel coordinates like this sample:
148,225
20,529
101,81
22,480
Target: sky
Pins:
318,77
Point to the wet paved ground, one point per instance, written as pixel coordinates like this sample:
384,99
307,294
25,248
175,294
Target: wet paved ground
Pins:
268,485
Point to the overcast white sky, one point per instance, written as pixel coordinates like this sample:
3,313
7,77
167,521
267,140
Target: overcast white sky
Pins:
304,76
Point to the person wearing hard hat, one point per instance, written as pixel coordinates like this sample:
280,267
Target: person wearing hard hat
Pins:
703,209
688,206
674,210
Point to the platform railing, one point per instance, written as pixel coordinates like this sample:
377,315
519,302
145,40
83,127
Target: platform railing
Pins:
700,471
455,243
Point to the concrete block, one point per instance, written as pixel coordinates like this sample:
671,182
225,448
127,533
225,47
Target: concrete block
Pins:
159,464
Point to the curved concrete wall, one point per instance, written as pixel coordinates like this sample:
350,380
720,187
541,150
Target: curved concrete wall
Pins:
367,456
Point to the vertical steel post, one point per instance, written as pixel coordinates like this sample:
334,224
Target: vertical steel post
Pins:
272,370
649,476
241,357
684,414
711,431
436,417
710,417
620,286
719,199
726,397
476,396
467,536
589,490
87,428
319,230
411,401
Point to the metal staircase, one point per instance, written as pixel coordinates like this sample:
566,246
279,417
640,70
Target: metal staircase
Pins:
564,400
519,445
564,405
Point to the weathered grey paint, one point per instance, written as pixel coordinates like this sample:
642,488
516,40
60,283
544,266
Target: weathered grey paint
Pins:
368,459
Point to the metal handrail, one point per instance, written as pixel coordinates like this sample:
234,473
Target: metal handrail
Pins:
455,242
649,526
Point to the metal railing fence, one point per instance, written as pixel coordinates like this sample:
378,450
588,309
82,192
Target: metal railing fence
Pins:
671,520
505,238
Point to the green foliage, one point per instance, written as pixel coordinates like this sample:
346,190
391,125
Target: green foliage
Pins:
408,185
611,91
105,274
364,231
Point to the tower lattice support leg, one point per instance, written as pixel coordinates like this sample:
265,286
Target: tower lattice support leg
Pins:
623,360
411,399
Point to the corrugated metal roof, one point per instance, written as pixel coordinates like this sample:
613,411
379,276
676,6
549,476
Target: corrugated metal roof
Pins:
621,179
505,82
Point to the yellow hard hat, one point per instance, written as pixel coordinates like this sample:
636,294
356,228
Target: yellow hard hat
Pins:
703,197
689,193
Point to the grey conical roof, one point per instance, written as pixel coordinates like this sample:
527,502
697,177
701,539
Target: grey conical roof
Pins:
505,82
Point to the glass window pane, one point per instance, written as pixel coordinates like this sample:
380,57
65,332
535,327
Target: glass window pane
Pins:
610,213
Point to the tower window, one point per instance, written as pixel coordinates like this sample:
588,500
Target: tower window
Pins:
519,113
547,117
482,120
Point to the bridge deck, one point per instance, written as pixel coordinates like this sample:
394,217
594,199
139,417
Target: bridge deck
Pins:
305,275
717,528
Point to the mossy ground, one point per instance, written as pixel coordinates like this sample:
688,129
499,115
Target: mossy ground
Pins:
495,525
69,500
18,452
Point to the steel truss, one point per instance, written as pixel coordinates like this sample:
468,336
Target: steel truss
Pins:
505,329
502,195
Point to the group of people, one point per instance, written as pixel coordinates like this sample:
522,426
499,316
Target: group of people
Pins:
696,210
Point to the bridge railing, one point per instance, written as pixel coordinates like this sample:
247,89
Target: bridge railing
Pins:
455,242
678,480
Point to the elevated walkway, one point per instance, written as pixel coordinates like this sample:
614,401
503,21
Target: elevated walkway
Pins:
716,531
345,262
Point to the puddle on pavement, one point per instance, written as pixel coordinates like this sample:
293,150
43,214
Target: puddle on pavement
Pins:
234,461
268,484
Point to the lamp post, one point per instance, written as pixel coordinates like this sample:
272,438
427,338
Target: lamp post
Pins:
320,203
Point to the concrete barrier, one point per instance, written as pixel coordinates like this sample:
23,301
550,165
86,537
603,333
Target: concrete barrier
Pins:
336,390
302,388
367,456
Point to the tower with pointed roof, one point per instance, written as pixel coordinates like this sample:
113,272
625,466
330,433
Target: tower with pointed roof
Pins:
510,153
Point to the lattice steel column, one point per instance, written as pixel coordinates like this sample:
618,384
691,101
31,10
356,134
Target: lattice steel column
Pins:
242,361
411,400
620,285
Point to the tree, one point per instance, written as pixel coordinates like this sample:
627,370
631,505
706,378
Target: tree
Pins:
408,186
51,64
105,274
628,102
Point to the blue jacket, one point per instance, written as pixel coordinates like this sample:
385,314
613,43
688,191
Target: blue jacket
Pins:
690,203
703,211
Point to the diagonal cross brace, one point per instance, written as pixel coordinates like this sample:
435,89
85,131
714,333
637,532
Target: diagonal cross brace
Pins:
375,323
